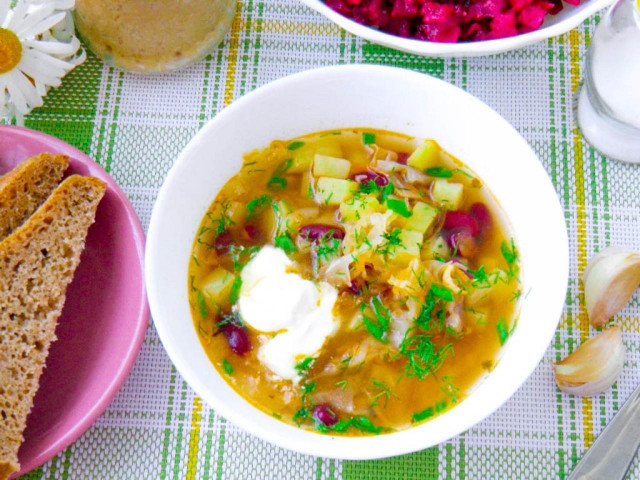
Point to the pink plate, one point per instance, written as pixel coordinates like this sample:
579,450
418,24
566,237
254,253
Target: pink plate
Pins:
105,316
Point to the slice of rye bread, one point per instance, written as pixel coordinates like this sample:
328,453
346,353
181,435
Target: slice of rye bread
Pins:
37,263
26,187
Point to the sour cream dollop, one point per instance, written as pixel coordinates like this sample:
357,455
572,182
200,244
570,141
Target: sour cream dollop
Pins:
299,312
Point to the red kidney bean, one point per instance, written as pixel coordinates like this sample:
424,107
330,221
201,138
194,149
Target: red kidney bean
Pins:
368,176
354,288
237,338
316,231
464,243
222,241
402,158
251,232
480,212
325,415
459,221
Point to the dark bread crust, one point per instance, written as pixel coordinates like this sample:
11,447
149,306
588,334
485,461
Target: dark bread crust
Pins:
26,187
37,263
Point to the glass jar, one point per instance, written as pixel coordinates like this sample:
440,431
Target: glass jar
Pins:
153,36
609,102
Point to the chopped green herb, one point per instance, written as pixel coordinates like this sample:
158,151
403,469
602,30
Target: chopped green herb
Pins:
300,416
516,295
427,310
342,384
387,190
503,332
510,254
423,355
276,415
381,391
374,329
480,278
363,424
382,313
368,138
423,415
442,292
235,290
391,242
277,184
285,243
440,406
440,172
195,260
202,306
295,145
226,366
254,206
399,207
304,366
192,278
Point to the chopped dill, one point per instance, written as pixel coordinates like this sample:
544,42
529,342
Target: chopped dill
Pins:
202,306
342,384
226,366
424,356
255,206
235,290
399,206
440,172
382,391
390,243
442,292
295,145
368,138
304,366
285,243
195,260
503,332
423,414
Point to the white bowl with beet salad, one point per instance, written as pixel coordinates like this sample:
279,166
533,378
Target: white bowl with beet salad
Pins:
331,265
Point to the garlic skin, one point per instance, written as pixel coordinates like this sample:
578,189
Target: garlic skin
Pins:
594,366
609,281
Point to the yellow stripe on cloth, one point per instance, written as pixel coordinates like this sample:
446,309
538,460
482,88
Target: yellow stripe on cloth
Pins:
194,439
232,63
575,40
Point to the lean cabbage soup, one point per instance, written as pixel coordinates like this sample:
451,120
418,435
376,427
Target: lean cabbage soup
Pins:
354,281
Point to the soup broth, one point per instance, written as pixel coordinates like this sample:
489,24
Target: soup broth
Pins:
354,282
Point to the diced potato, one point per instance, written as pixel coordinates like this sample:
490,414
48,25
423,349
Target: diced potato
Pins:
303,157
325,166
436,248
328,146
334,191
422,218
409,248
217,285
358,208
236,212
449,194
424,156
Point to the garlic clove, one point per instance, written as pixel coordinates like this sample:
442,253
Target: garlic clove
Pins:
609,281
594,366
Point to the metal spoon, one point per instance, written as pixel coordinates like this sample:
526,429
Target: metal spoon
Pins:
611,454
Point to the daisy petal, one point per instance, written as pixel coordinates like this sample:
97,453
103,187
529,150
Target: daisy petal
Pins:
39,74
53,47
44,25
4,9
16,96
34,18
28,90
17,18
55,65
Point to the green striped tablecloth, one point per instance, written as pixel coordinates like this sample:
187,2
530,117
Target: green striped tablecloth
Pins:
135,126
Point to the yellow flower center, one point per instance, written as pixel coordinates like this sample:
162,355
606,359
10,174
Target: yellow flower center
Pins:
10,50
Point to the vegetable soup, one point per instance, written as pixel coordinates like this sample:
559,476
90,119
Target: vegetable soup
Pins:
354,282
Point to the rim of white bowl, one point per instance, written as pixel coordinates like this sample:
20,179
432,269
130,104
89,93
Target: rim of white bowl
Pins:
471,49
348,448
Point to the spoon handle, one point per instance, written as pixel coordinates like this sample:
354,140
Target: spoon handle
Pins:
611,454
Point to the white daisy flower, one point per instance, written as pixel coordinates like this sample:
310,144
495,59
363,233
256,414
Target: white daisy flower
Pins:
37,48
